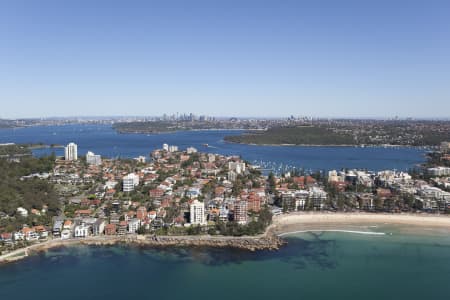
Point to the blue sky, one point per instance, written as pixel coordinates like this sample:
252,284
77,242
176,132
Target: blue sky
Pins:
225,58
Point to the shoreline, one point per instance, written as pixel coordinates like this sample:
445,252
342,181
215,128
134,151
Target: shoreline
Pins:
272,239
178,130
362,223
266,241
331,145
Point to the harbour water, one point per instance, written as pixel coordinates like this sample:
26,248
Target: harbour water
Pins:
102,139
312,266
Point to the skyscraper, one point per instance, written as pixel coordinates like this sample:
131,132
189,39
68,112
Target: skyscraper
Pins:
71,152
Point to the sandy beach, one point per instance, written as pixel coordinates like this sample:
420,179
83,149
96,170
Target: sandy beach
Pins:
359,222
283,225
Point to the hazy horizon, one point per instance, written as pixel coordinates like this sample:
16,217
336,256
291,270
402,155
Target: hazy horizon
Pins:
221,117
329,59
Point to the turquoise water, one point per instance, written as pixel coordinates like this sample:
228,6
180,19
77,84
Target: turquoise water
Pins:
102,139
311,266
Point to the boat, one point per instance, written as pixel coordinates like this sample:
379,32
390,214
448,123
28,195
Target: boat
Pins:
205,145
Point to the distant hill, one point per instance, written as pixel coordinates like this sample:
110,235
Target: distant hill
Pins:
402,133
303,135
151,127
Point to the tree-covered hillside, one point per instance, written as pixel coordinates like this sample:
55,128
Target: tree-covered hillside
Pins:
27,193
304,135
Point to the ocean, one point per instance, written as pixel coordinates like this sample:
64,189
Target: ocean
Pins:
312,266
102,139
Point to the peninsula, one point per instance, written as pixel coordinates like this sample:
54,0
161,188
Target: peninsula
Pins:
303,131
349,133
182,197
301,135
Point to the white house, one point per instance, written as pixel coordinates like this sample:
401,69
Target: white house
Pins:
22,212
18,236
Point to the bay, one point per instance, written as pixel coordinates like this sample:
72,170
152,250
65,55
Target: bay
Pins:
311,266
102,139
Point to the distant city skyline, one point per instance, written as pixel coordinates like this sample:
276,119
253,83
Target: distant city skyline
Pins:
219,117
330,59
263,117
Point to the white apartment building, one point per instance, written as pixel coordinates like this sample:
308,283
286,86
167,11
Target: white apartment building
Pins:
173,148
81,230
134,225
238,167
232,176
318,196
71,152
93,159
439,171
130,181
240,212
198,213
170,148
